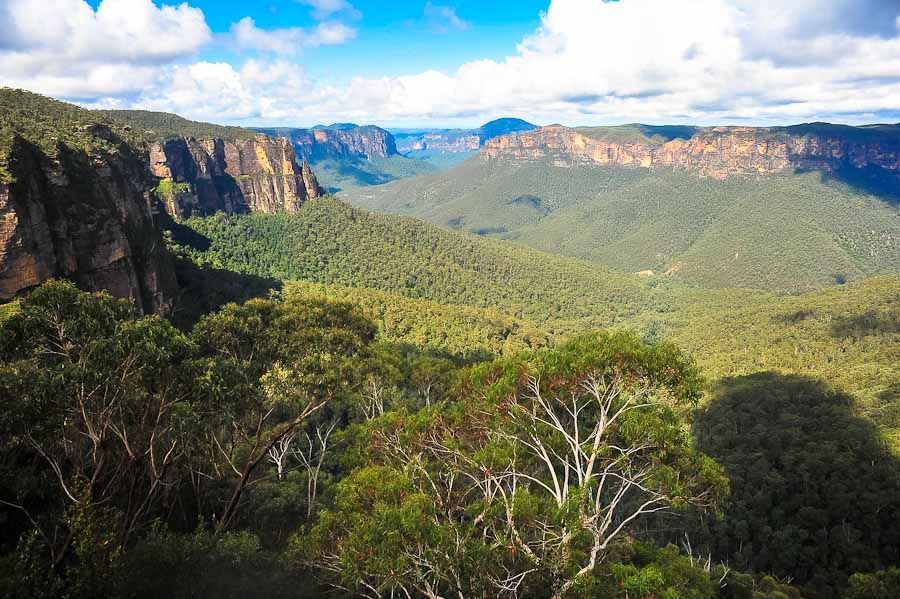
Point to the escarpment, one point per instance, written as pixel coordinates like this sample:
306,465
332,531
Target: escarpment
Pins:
80,190
718,152
204,176
82,214
346,141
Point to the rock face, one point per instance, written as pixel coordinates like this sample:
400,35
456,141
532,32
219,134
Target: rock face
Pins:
201,177
85,216
338,141
718,153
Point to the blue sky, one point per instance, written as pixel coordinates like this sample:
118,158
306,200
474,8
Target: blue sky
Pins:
393,38
463,62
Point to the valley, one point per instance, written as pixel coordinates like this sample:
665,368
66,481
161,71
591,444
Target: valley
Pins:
749,290
686,222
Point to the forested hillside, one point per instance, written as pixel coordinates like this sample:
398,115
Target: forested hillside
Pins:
780,232
330,242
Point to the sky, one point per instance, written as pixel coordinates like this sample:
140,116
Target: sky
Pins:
459,63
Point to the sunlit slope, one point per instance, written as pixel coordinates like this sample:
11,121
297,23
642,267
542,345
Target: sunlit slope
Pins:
781,232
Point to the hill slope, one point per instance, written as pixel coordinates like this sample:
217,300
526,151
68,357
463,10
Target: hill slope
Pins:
781,232
329,242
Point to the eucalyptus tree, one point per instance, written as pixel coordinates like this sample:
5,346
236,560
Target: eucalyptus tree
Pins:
525,483
266,367
95,413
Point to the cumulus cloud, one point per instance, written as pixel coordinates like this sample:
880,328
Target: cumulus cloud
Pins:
658,60
441,18
322,9
289,40
66,48
590,61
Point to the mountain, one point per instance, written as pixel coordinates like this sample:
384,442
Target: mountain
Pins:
505,126
347,156
341,140
784,209
717,153
79,190
75,202
455,141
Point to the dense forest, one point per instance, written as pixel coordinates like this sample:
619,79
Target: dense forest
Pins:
790,232
303,443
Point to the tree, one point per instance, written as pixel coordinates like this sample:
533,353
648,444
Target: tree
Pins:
266,368
94,394
543,464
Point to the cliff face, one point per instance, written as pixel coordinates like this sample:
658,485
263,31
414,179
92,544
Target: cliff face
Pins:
86,216
345,142
717,153
201,177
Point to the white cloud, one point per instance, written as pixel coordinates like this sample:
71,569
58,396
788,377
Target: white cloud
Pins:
66,48
289,40
322,9
590,61
441,18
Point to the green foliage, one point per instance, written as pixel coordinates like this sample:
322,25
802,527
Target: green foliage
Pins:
845,335
200,564
642,571
884,584
433,327
147,126
783,232
455,487
329,242
815,493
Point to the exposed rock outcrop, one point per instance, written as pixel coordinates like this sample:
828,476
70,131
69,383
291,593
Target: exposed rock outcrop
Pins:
83,215
338,141
717,153
201,177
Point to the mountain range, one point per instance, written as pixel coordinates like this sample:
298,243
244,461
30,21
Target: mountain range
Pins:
787,208
454,141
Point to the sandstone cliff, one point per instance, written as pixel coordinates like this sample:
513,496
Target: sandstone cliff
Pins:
82,213
346,141
717,153
204,176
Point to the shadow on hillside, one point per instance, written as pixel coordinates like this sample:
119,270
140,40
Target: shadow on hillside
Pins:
355,171
874,181
862,325
204,289
182,235
814,493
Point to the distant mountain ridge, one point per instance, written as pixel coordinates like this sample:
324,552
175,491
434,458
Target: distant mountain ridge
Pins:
786,208
715,152
337,141
460,140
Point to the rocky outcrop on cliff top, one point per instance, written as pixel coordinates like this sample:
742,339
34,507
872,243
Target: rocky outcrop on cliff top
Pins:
718,152
338,141
203,176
